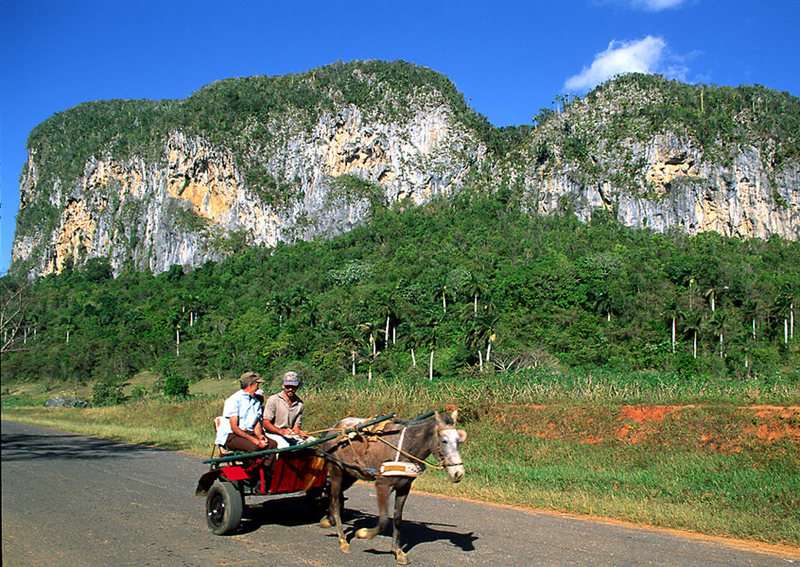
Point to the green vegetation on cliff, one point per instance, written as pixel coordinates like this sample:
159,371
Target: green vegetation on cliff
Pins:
598,135
236,113
714,116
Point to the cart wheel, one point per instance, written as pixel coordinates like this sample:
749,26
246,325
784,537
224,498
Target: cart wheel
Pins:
224,505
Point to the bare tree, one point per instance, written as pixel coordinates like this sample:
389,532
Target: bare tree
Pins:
12,317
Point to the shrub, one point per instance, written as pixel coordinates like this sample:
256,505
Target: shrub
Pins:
139,393
176,386
107,393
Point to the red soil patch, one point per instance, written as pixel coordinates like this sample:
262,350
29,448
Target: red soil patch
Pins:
650,413
644,418
513,417
637,423
775,422
551,433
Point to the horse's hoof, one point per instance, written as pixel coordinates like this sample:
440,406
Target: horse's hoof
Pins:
344,547
325,523
402,558
366,533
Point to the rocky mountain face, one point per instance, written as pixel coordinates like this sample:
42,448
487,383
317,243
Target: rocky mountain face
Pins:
195,180
603,152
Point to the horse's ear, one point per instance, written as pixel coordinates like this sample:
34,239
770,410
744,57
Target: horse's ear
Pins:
462,435
454,415
439,421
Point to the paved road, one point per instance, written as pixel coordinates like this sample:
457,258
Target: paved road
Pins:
71,500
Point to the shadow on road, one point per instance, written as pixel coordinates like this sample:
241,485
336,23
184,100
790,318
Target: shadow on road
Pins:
289,511
22,447
296,511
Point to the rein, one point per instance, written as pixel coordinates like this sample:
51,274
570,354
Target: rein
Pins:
372,472
439,454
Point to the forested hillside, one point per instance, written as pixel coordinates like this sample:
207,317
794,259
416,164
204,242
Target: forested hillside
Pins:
467,286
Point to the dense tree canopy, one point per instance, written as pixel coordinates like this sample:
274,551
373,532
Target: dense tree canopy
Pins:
484,286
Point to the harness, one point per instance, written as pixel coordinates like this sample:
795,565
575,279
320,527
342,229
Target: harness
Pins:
439,454
396,467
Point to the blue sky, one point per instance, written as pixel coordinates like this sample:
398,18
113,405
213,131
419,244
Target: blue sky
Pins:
508,58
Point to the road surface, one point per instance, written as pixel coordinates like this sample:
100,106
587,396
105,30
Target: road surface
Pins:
72,500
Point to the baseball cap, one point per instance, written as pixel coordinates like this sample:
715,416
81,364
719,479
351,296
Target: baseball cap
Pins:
291,379
248,378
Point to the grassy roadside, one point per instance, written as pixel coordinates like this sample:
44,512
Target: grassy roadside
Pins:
726,466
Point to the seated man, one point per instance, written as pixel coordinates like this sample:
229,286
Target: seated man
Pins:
242,430
283,412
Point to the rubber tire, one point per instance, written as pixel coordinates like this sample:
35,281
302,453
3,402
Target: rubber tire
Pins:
224,505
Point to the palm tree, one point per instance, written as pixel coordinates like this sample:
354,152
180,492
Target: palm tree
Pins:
281,305
751,311
368,331
783,308
444,292
69,322
693,322
385,303
691,291
413,338
480,333
297,297
755,307
474,287
194,302
672,312
713,293
309,307
350,338
602,302
430,335
717,324
490,324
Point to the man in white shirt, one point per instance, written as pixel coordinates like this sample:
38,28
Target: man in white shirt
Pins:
241,429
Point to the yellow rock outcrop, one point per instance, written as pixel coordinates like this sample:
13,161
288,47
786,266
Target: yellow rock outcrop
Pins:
75,236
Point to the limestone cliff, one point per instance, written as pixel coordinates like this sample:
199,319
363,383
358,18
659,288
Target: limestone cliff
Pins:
264,160
608,152
193,201
679,187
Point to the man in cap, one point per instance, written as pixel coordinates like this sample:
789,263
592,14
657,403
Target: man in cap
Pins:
283,412
241,429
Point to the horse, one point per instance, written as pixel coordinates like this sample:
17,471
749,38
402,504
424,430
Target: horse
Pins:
391,454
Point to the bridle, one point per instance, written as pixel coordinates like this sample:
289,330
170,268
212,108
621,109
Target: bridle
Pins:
439,453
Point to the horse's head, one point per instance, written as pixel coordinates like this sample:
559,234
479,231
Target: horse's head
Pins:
447,440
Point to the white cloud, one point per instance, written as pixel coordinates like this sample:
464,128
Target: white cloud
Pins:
655,5
646,5
641,56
